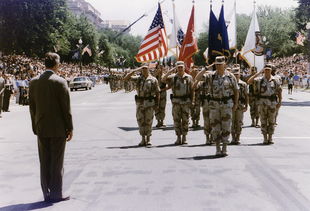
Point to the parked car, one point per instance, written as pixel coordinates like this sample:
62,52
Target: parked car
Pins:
81,82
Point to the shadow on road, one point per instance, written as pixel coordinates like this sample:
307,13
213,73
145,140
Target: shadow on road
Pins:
24,207
165,145
252,145
302,104
125,147
207,157
199,145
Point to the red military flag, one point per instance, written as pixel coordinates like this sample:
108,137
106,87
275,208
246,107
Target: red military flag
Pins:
189,46
154,45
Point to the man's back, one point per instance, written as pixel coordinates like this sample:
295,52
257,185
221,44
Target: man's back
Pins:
50,105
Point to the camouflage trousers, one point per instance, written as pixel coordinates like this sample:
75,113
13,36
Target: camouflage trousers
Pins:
267,115
206,118
145,117
237,121
220,121
180,113
161,112
195,111
253,107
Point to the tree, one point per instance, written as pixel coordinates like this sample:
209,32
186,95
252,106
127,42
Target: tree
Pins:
31,27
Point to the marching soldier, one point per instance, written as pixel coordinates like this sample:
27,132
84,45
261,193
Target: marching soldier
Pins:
237,117
146,99
160,113
202,84
223,100
279,79
269,100
2,88
181,97
253,100
195,108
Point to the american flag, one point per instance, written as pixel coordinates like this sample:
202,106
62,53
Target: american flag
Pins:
154,45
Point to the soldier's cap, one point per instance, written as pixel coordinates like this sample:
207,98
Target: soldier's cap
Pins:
236,65
179,63
220,60
268,66
236,70
145,65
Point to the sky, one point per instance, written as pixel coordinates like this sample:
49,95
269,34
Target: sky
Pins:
131,10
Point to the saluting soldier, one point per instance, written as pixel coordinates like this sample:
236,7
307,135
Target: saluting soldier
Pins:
253,101
181,97
269,100
223,100
195,108
160,113
146,99
237,117
202,84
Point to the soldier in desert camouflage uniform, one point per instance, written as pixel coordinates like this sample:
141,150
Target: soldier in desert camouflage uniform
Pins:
237,117
195,108
146,99
160,113
269,93
253,100
202,84
182,95
223,100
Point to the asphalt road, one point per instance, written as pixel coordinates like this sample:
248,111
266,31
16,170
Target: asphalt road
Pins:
105,170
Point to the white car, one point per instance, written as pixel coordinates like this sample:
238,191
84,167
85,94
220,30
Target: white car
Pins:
81,82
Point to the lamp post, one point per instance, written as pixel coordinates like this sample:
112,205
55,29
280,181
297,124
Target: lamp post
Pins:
80,46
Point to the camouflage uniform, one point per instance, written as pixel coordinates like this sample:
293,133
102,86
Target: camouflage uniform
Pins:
181,101
253,103
267,91
203,87
237,116
221,103
160,113
195,108
147,89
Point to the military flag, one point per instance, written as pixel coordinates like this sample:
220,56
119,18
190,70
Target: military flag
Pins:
189,46
154,46
253,49
215,44
223,33
231,23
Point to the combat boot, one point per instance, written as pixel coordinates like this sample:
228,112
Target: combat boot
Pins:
218,149
178,141
148,141
253,123
142,143
265,139
270,141
208,139
237,138
224,150
233,139
256,123
184,139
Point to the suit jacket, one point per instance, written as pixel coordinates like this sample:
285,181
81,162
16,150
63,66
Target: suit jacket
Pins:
49,104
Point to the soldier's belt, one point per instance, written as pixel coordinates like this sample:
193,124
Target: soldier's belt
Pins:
272,97
150,98
184,97
223,99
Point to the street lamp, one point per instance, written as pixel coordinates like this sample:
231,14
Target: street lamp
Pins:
80,47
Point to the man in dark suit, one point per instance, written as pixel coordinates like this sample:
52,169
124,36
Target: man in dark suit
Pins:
50,111
1,92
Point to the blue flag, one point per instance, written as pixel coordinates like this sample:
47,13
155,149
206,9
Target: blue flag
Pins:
215,44
224,34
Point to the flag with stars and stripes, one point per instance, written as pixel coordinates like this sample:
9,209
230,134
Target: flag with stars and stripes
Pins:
154,45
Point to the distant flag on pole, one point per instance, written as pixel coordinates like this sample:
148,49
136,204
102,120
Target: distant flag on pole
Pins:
154,45
189,46
223,33
253,49
87,49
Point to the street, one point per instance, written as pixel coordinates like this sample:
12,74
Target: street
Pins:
105,170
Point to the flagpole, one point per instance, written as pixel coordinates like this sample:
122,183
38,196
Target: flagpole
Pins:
175,31
235,5
254,12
